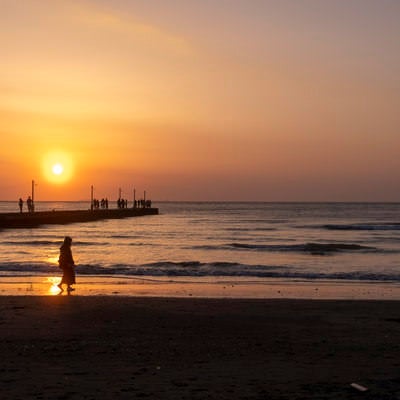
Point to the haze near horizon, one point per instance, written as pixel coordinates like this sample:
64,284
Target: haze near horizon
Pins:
230,100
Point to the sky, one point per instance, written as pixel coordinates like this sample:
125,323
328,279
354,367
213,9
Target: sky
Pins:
242,100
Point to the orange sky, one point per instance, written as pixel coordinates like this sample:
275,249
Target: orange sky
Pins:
228,100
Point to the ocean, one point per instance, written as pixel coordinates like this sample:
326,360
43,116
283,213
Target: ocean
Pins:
302,241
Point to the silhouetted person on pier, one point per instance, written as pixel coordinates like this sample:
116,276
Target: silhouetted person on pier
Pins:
67,264
20,204
29,203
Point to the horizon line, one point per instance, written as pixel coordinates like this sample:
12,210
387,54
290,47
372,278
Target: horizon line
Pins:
227,201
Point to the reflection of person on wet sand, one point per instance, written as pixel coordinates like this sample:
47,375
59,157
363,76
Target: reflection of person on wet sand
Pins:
66,263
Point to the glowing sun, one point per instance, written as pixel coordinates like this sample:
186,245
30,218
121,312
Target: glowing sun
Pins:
57,167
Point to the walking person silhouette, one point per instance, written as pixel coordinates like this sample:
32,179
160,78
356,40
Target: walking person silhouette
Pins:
67,264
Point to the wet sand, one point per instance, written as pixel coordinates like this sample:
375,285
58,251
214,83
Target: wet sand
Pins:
117,347
203,287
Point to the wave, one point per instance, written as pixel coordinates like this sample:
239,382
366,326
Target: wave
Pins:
31,243
125,236
55,243
363,227
313,248
195,269
240,229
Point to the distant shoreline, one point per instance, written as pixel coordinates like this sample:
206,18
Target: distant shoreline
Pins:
225,201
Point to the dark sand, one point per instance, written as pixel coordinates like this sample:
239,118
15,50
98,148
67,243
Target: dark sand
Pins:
72,347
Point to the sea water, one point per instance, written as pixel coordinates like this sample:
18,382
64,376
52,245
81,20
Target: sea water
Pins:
303,241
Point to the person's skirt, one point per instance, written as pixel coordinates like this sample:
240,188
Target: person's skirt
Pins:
68,275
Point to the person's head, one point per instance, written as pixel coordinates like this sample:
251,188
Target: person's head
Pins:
68,240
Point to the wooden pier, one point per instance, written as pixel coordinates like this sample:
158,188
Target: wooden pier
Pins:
62,217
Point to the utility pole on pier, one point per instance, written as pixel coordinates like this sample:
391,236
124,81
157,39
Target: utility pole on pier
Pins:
91,198
134,198
33,195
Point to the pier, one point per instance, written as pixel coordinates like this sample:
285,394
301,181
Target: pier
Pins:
62,217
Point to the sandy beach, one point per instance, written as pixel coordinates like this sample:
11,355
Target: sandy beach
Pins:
118,347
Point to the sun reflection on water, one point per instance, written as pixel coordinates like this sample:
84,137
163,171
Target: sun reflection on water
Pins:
54,281
52,259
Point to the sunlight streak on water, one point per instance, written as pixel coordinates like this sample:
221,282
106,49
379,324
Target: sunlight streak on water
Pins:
53,281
